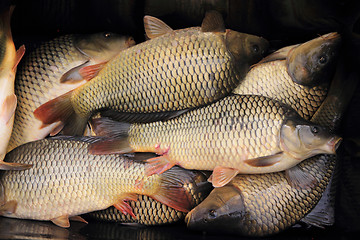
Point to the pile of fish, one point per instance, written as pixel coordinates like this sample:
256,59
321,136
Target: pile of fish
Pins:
170,118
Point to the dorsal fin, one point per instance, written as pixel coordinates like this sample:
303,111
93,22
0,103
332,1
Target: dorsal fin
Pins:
154,27
213,22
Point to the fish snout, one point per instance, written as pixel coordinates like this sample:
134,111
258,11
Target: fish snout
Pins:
334,144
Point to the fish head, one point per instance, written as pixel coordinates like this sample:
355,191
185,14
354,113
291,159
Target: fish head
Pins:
246,48
302,139
102,46
313,62
222,209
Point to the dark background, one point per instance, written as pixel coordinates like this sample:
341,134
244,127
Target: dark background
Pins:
282,22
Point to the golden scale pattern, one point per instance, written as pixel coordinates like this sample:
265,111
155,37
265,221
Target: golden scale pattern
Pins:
65,178
203,136
272,80
35,83
165,74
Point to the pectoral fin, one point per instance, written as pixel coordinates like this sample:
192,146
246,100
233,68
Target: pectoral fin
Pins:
123,206
78,219
8,108
300,179
222,176
19,54
62,221
111,146
73,76
89,72
154,27
8,208
14,166
266,161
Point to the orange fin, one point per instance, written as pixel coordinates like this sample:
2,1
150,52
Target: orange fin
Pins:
173,192
8,108
222,176
62,221
14,166
157,165
123,206
73,76
266,161
8,208
111,146
78,219
213,22
154,27
299,179
19,54
89,72
60,109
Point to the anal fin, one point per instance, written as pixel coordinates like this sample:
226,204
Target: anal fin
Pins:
123,206
78,219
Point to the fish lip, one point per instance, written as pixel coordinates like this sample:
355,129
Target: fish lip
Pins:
334,143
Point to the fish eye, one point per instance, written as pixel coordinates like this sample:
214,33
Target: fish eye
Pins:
212,213
107,35
314,129
322,59
255,48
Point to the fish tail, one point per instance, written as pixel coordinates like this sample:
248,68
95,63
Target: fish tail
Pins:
61,109
173,192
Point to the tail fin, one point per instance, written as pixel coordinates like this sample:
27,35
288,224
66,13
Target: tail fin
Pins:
173,191
61,109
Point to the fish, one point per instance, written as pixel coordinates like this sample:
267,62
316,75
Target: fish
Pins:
171,73
266,204
298,75
53,69
152,212
237,134
66,180
9,59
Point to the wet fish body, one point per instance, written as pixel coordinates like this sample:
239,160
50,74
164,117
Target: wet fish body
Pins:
286,74
152,212
238,134
260,205
174,71
52,70
65,181
9,58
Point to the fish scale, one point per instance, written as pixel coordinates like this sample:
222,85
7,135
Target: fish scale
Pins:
66,180
272,80
144,67
39,76
215,130
33,83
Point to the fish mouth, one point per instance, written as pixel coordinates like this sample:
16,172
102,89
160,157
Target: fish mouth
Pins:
188,218
331,36
334,144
